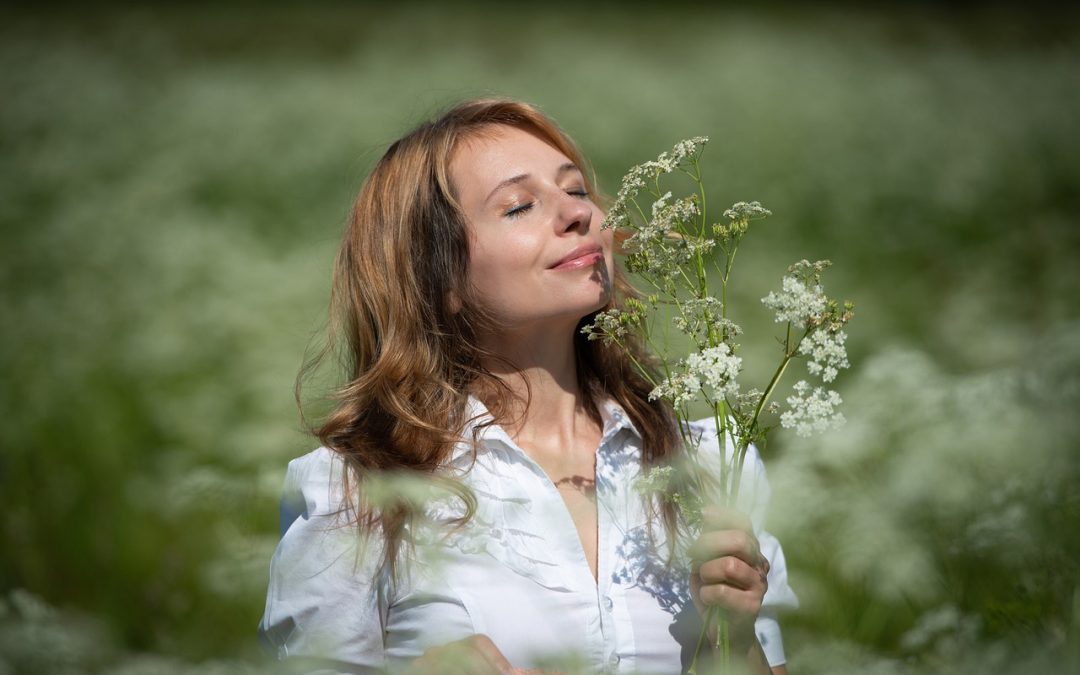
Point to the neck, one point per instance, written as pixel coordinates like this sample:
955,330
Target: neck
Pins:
542,371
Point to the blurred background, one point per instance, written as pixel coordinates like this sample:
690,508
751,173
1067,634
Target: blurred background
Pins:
174,181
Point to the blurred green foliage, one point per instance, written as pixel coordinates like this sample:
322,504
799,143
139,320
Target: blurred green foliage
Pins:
173,182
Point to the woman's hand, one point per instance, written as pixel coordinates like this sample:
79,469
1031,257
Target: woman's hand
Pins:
729,572
475,655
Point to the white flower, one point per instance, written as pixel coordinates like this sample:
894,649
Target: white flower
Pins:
717,367
812,410
795,302
826,351
747,211
632,183
659,204
667,217
656,480
611,325
641,175
680,388
670,161
699,315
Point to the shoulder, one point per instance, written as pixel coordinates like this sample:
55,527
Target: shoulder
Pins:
314,487
315,470
318,478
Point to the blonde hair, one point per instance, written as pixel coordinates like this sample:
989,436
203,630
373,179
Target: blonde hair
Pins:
406,325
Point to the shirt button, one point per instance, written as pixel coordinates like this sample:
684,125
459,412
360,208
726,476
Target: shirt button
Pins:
608,604
614,660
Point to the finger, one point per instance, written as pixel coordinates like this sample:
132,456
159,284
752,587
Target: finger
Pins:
733,572
725,518
735,601
491,654
721,543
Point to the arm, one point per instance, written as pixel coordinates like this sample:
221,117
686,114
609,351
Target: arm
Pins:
325,602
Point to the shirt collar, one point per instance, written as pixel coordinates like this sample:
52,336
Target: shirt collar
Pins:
612,415
615,420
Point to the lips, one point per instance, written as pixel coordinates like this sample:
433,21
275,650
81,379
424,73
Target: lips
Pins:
582,256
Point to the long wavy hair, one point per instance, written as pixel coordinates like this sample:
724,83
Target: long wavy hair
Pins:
404,323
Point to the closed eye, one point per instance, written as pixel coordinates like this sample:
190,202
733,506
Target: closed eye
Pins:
519,210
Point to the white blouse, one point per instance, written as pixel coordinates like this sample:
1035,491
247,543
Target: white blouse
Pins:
517,572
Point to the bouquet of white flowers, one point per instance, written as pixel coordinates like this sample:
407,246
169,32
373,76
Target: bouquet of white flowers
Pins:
672,246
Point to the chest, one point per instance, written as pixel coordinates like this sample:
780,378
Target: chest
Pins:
517,573
574,480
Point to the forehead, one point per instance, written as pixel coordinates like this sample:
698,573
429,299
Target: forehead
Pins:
497,152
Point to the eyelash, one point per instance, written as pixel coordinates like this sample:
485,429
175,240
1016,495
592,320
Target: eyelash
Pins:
524,208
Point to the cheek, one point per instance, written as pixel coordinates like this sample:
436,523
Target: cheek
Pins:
496,267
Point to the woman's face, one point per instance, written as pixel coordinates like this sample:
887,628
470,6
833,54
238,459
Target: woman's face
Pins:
536,250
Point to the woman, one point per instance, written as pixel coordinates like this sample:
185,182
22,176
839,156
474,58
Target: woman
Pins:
472,258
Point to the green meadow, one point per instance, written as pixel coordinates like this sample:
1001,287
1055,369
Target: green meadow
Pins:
174,182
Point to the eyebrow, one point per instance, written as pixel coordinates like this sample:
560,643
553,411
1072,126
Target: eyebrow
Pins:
520,178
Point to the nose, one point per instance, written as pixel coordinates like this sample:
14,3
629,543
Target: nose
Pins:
575,213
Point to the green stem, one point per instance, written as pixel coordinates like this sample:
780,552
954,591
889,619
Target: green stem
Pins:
701,640
789,353
723,641
641,369
739,458
730,261
720,419
701,191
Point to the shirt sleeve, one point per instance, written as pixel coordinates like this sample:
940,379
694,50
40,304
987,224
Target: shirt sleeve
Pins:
779,594
326,601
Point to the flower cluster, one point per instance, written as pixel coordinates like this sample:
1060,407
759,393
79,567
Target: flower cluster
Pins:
812,409
655,252
740,214
699,316
679,388
746,211
797,301
826,352
667,217
713,370
672,247
638,177
614,324
802,304
717,367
